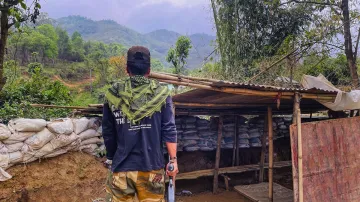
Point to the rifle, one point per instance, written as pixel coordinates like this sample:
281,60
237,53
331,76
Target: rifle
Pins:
171,188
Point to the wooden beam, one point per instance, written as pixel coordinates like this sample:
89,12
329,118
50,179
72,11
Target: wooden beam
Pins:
228,170
236,145
263,151
217,160
188,104
57,106
300,163
271,154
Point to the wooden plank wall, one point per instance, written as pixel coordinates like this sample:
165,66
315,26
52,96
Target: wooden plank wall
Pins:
331,160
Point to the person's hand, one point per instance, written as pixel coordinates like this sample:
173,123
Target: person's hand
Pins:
107,164
174,172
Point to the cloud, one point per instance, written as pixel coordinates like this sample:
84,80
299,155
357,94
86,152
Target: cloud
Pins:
178,3
183,16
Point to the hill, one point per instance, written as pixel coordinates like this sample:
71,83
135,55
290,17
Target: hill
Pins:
159,41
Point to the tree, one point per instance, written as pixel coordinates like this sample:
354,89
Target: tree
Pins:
78,47
64,44
178,55
332,18
250,30
13,13
118,67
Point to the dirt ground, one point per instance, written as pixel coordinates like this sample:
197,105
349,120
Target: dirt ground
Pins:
79,177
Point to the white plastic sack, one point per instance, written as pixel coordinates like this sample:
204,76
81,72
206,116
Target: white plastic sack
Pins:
15,157
93,140
94,123
90,148
14,147
61,126
74,146
40,139
4,176
4,132
63,140
4,160
27,125
56,153
45,150
80,125
87,134
18,137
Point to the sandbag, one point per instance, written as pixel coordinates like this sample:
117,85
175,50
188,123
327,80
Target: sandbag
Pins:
206,133
4,176
15,157
94,123
244,141
188,126
242,146
254,135
189,119
18,137
56,153
27,125
61,126
4,132
89,149
207,149
189,143
74,146
63,140
87,134
99,130
189,132
45,150
227,146
204,143
4,160
244,136
283,127
40,139
203,127
93,140
191,137
191,148
80,125
228,134
13,147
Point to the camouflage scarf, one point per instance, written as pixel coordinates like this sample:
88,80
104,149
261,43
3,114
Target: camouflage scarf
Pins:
137,97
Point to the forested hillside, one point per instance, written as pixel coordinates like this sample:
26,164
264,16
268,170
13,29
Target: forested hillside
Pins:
159,41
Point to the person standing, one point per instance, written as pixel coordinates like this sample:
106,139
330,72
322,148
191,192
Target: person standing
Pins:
137,119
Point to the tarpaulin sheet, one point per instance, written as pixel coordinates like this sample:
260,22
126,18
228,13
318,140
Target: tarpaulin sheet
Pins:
331,160
343,101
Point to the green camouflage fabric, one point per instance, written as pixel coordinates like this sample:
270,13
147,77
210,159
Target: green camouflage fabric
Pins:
137,97
136,186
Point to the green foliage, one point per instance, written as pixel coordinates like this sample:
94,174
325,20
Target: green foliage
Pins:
250,30
177,56
18,96
334,69
35,67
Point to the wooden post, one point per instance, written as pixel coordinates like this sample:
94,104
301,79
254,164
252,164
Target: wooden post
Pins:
271,154
217,160
236,144
295,117
300,163
263,151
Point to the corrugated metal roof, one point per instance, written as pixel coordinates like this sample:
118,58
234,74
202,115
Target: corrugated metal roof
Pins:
269,88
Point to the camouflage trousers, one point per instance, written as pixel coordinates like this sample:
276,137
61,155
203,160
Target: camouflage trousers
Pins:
126,186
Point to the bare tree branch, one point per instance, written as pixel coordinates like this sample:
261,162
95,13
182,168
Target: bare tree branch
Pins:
311,2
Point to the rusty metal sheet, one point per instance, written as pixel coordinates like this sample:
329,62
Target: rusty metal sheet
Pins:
331,160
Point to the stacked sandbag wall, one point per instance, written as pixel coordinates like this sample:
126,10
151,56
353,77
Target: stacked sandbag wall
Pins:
199,134
27,140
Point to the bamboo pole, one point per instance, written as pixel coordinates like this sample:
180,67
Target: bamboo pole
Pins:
60,107
187,104
193,78
271,154
217,160
235,140
263,151
300,162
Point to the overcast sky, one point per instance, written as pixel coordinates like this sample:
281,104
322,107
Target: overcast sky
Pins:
183,16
